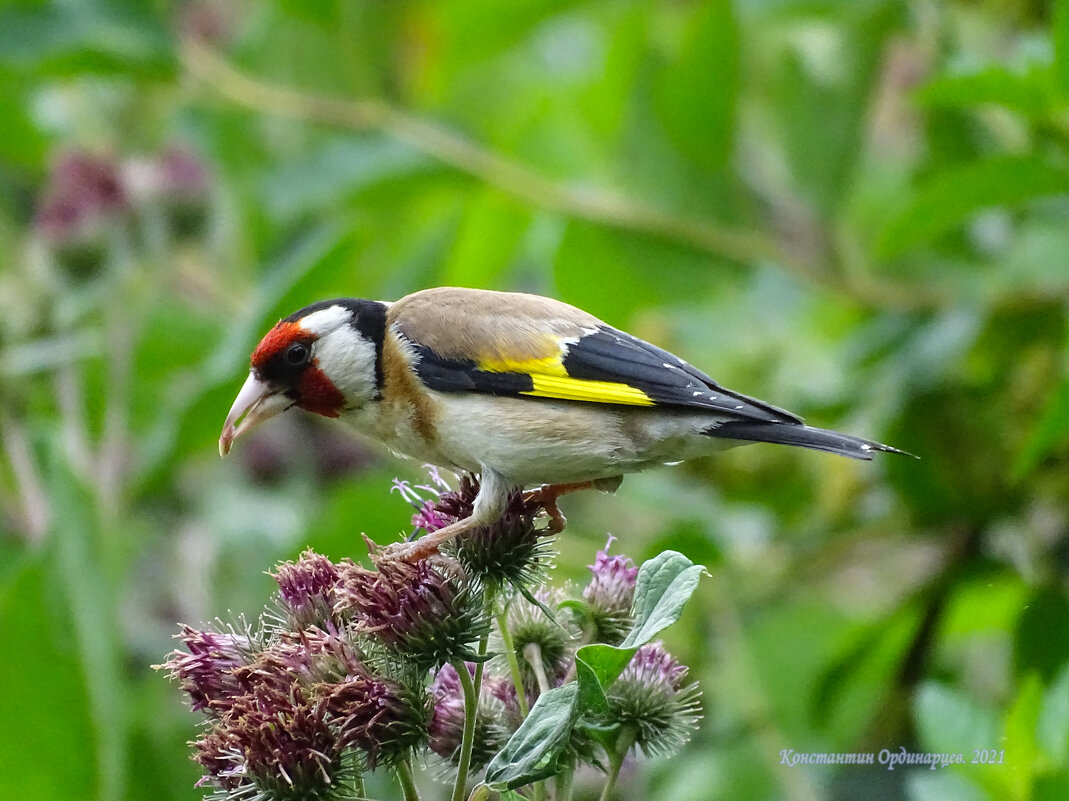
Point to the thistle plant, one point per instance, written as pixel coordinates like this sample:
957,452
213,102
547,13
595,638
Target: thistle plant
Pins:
352,669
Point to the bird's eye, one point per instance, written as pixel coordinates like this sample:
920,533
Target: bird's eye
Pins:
297,354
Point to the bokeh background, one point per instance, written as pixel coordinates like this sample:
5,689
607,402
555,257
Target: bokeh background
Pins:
854,209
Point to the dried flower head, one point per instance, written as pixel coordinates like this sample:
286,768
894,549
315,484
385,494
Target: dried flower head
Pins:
420,615
383,718
651,699
273,742
205,670
609,596
493,725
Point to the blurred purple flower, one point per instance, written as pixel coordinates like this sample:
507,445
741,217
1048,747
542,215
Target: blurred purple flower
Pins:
494,724
84,190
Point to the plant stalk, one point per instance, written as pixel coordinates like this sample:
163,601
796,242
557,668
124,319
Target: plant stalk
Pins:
514,663
404,776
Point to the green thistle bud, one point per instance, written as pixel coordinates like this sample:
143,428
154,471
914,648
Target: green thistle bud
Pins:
650,699
544,643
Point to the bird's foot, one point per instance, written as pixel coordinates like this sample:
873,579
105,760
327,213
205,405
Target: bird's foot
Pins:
547,496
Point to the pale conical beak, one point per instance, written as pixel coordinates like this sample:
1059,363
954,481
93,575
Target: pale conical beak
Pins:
256,402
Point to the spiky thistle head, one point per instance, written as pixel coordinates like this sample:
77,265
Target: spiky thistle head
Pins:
307,590
385,719
418,613
652,700
512,550
544,637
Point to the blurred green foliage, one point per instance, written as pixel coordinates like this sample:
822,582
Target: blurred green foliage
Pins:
858,210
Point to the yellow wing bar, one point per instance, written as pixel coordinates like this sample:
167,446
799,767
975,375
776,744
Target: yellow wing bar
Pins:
551,380
578,389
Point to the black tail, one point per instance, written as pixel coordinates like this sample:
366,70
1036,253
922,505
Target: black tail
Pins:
819,439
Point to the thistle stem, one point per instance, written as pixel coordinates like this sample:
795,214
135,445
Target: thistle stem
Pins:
533,654
471,711
404,776
616,758
514,663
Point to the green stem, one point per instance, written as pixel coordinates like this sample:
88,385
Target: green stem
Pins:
358,786
565,783
514,663
533,654
616,759
404,776
471,711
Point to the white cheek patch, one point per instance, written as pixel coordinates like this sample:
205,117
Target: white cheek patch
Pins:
324,321
348,359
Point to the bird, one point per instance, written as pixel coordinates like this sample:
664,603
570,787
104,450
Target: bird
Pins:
526,391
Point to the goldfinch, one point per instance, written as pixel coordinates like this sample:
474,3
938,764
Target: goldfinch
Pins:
524,390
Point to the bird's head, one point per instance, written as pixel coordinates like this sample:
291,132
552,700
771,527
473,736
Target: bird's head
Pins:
326,358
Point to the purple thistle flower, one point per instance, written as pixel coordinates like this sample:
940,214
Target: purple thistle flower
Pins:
494,723
649,697
419,614
308,588
205,671
610,594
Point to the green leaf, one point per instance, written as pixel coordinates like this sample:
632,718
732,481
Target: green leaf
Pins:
1052,728
597,666
1029,93
954,196
45,724
1041,641
1060,30
531,753
664,585
698,93
1020,740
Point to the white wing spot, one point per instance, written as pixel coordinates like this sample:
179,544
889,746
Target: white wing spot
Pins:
670,366
739,406
698,394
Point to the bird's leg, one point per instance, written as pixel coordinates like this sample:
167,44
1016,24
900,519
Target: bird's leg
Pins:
428,544
547,495
489,504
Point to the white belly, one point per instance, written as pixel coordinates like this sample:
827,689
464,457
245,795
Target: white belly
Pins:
529,442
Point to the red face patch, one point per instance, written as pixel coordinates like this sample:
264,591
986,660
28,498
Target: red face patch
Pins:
318,394
277,340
